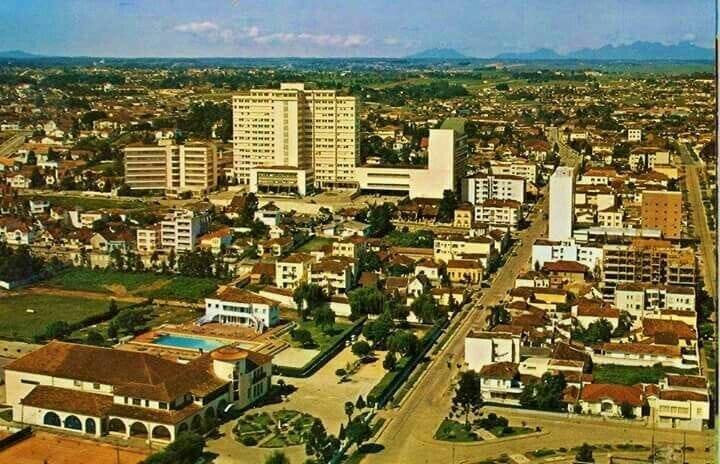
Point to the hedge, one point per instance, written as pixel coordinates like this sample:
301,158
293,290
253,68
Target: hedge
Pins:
324,356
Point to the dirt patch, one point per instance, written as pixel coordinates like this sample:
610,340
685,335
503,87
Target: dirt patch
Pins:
82,294
157,285
116,289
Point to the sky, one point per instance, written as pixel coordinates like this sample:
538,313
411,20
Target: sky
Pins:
343,28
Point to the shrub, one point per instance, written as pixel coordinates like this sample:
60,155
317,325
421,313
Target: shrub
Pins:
249,440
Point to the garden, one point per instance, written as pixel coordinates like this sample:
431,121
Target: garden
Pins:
455,431
278,429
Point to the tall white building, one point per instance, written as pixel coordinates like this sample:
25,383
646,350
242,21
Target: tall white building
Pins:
172,168
180,230
289,139
482,187
447,155
562,204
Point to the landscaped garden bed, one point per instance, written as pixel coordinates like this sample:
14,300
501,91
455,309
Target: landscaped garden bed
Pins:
273,430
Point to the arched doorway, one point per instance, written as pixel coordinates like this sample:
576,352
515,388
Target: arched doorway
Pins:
90,426
160,432
183,428
138,429
117,426
72,423
51,419
196,423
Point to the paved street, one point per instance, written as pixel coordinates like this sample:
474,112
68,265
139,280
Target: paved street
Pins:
408,435
707,247
12,144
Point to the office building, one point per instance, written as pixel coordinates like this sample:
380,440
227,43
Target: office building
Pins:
173,169
662,210
447,155
562,199
290,139
482,187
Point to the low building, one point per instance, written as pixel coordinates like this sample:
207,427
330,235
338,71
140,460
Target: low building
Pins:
217,240
499,213
501,383
608,400
465,271
102,391
484,348
235,306
565,272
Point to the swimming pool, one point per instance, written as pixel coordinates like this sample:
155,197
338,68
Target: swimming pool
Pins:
188,343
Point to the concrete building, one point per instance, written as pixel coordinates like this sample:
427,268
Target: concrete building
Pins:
292,270
180,230
102,391
235,306
647,158
287,139
173,169
520,168
483,348
447,155
638,299
662,210
562,196
499,213
483,187
634,135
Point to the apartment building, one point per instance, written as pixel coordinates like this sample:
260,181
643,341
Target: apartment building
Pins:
450,247
646,261
148,239
334,274
638,299
562,204
180,229
292,270
647,158
174,169
483,187
662,210
524,169
447,155
499,213
287,139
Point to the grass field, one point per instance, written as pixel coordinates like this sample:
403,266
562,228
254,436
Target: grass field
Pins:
631,375
92,203
453,431
145,284
322,340
314,244
19,324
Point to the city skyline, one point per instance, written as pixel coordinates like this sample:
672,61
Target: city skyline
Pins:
234,28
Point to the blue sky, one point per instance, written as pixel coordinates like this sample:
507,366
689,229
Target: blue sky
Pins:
259,28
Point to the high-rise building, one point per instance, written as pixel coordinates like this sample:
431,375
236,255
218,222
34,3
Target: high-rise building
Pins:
172,168
662,210
447,156
483,187
289,139
562,204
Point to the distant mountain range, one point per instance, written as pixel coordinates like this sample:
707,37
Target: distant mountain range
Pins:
637,51
17,54
437,54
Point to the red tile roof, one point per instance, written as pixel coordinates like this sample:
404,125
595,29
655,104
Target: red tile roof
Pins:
618,394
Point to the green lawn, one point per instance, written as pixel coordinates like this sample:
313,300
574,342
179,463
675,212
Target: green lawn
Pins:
322,340
19,324
379,388
91,203
146,284
314,244
454,431
631,375
510,431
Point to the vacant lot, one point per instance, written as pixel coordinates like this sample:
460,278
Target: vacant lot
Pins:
322,340
145,284
631,375
315,243
20,324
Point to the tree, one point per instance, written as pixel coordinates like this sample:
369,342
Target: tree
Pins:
404,342
341,373
364,301
502,87
585,454
361,349
498,315
302,336
626,410
358,431
56,330
360,403
113,308
624,325
368,261
324,318
544,395
379,220
112,330
186,449
36,179
349,409
597,332
447,206
426,309
377,331
467,394
95,338
277,457
319,444
390,361
307,297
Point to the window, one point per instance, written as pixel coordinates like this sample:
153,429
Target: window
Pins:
96,386
163,405
136,401
77,383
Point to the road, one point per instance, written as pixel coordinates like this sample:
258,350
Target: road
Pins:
12,144
415,422
707,246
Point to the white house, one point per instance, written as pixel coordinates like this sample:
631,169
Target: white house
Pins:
483,348
235,306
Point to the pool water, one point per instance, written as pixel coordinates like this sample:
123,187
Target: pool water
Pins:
190,343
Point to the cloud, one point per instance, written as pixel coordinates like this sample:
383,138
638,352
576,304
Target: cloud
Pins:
197,27
391,41
322,40
214,32
689,37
